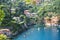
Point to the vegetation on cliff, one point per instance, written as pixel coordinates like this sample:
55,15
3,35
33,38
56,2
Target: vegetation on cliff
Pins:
12,13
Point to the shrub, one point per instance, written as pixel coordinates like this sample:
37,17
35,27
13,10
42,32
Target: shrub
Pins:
2,15
3,37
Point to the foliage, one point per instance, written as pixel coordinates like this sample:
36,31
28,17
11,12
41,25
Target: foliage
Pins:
2,15
19,20
49,9
21,7
45,9
3,37
7,15
30,2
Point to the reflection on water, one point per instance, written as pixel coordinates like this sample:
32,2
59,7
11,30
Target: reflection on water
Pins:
40,34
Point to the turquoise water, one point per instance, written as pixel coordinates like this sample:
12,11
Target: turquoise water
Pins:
40,34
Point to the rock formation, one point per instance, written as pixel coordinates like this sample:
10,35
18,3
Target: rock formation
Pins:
53,21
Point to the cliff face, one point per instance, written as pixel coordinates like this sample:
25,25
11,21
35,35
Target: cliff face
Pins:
53,21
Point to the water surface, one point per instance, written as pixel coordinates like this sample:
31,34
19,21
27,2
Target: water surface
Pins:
40,34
